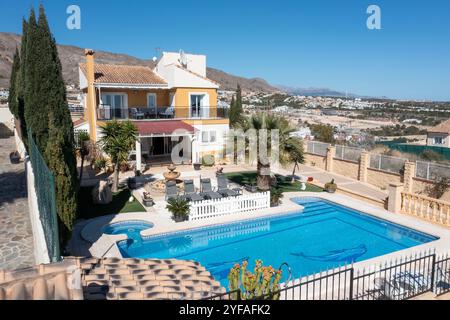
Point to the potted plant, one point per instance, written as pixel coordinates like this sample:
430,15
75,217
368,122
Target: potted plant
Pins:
179,209
100,164
147,199
330,187
14,157
275,197
197,166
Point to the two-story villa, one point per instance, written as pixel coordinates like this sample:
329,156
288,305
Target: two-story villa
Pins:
170,103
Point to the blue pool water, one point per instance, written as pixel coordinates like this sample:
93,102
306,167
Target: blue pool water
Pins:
323,236
132,228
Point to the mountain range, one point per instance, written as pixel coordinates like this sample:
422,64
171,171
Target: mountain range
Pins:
71,56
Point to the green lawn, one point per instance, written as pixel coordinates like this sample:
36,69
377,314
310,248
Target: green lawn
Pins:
87,209
284,183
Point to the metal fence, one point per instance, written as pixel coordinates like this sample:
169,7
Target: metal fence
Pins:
348,153
387,163
398,280
45,191
318,148
431,171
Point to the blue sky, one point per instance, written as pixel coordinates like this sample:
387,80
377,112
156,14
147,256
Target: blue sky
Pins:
320,43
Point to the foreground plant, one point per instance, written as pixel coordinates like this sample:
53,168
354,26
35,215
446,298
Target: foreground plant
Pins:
179,209
263,283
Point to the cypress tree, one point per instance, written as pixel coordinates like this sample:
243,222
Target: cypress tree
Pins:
47,115
60,153
13,99
35,93
21,85
58,159
236,110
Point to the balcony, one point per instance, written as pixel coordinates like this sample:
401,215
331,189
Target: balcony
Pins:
105,112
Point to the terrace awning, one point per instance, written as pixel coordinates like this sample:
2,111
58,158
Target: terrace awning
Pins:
164,128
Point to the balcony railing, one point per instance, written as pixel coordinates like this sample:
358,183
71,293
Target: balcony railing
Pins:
105,112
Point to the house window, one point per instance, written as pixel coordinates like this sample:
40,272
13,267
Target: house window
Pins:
438,140
151,100
114,105
196,105
209,136
212,136
205,136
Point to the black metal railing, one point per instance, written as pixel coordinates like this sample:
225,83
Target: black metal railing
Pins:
442,275
105,112
397,280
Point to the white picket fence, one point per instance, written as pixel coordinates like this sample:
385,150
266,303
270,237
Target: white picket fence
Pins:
231,205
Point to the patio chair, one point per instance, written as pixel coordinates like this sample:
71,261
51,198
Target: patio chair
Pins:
171,190
136,114
389,290
207,191
168,112
442,281
416,281
189,191
223,189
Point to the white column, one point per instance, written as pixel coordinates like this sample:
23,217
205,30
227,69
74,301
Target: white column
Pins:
138,155
194,149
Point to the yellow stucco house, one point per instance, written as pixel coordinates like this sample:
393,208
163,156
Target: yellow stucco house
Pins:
171,103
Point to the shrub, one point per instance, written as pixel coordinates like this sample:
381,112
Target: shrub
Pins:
100,164
275,197
179,209
208,160
330,186
259,284
439,188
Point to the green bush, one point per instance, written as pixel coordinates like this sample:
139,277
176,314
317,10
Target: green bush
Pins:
208,160
179,209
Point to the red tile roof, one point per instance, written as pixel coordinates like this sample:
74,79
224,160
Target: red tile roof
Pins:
78,122
162,127
444,127
123,74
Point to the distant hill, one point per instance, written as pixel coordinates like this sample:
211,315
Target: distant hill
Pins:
71,56
315,92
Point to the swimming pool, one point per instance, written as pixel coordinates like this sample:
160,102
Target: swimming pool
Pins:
323,236
132,228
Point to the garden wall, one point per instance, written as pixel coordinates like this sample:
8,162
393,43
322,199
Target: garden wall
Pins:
314,160
381,179
346,168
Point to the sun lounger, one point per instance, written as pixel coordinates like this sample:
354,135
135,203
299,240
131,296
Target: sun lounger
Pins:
171,190
189,191
223,189
207,191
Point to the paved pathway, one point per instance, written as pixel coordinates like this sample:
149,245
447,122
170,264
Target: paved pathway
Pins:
348,183
16,239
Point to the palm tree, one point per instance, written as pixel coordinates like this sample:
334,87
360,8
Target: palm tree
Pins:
295,150
117,142
290,148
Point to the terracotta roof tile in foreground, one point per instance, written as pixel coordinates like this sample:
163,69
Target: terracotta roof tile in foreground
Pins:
123,74
110,279
147,279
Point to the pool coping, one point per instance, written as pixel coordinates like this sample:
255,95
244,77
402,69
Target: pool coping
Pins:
106,245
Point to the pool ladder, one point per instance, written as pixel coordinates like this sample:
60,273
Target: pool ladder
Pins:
289,269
